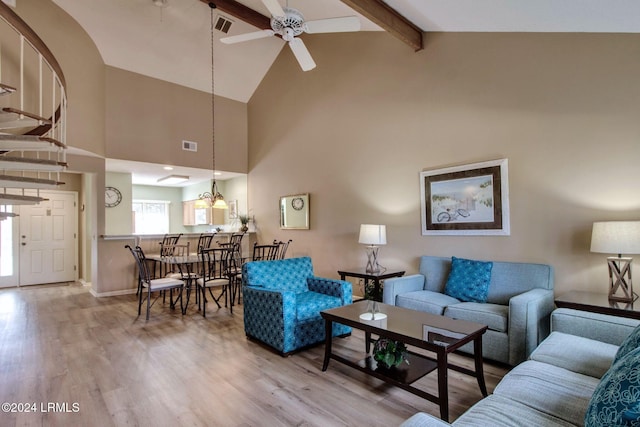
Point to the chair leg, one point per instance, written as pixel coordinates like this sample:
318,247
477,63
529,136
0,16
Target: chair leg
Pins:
204,302
139,302
148,302
183,307
216,300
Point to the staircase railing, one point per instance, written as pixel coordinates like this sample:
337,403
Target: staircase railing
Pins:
33,114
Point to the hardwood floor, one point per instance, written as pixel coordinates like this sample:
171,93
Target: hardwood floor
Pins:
103,365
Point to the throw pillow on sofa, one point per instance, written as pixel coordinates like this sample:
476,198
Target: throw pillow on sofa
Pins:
629,344
469,280
615,400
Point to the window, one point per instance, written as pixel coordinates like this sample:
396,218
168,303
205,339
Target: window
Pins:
150,216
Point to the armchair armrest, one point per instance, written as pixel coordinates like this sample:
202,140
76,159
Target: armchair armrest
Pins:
529,318
400,285
333,287
267,324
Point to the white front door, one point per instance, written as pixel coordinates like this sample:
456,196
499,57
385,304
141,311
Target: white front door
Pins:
8,247
47,239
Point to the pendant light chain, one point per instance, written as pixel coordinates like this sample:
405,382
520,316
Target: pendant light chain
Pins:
213,116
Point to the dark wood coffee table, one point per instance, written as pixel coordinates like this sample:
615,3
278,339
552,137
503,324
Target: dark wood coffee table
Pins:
438,334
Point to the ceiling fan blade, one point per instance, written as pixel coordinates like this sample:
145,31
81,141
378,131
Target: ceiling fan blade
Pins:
302,54
274,7
333,25
248,36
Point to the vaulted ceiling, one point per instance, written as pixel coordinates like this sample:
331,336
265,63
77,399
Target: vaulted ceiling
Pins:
172,42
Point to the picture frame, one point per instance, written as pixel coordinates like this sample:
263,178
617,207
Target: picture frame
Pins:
471,199
233,209
294,212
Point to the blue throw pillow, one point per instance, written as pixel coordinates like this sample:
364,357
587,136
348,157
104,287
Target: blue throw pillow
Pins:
629,344
469,280
615,400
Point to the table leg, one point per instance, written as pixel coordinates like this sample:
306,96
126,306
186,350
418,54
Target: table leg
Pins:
477,355
443,386
328,328
367,342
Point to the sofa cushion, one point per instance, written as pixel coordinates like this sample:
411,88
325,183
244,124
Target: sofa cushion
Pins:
577,354
495,316
550,389
500,411
310,304
428,301
469,280
629,344
615,399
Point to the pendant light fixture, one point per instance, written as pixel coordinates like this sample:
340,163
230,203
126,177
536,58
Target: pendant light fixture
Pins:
215,199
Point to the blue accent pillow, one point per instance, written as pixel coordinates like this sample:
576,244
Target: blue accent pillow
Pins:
469,280
615,399
629,344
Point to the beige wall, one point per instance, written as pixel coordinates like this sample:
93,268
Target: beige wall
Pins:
82,66
356,132
144,114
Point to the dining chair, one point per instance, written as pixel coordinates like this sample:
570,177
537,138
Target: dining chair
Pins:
154,285
282,248
168,240
216,266
204,241
265,252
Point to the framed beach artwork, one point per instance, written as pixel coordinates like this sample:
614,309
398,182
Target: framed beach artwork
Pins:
471,199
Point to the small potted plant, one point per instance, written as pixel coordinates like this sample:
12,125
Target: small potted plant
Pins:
244,220
389,353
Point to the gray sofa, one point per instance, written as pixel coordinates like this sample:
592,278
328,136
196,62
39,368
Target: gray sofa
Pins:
553,387
517,310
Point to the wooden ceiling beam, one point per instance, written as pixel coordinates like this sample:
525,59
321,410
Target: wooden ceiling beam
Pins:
391,21
242,12
375,10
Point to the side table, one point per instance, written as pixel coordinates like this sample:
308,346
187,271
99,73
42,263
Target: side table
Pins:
598,303
371,279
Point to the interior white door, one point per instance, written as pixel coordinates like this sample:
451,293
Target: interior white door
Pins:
9,250
48,247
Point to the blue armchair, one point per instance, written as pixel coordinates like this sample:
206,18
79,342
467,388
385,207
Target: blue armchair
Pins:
282,303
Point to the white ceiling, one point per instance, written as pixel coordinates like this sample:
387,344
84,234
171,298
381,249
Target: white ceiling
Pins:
149,173
172,43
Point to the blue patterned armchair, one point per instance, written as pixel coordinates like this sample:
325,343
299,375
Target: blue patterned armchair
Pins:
283,300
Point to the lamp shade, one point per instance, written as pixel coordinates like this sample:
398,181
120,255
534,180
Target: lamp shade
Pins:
616,237
373,234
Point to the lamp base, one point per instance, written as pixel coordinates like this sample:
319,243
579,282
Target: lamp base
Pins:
620,285
372,260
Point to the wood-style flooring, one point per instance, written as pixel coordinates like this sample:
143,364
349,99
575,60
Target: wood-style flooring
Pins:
77,360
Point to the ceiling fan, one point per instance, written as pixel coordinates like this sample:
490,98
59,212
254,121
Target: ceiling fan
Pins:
289,23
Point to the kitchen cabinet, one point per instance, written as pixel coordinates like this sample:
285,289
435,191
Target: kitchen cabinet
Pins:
193,215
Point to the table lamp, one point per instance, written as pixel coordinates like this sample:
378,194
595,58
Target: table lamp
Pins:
372,236
617,237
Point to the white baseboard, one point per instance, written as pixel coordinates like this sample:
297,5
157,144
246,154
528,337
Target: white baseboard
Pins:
112,293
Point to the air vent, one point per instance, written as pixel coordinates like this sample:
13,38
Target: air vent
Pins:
189,146
223,24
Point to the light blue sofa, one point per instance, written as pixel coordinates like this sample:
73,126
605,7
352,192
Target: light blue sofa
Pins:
517,310
282,303
554,387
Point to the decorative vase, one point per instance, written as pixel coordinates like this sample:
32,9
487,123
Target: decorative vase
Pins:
244,228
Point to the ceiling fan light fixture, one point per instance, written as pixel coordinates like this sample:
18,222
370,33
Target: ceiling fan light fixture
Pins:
289,23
